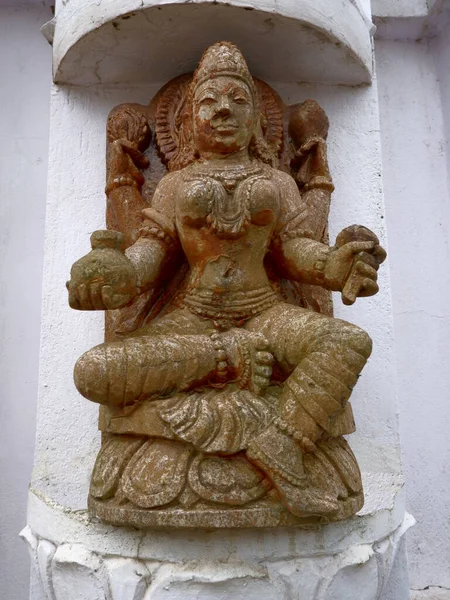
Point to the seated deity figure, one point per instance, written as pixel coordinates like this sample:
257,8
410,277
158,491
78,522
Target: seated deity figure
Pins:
224,398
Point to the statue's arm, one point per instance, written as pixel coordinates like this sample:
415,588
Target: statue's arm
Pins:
128,134
351,263
157,247
108,278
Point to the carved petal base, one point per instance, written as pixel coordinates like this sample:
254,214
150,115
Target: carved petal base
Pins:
155,482
69,571
260,514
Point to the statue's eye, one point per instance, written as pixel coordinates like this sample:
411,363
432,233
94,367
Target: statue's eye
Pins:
207,101
240,100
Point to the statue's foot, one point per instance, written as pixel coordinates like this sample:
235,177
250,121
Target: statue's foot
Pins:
281,458
305,502
250,358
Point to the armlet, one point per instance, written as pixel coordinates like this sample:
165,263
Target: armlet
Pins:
293,225
159,227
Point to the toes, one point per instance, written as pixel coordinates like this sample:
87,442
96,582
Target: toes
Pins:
260,342
264,358
263,371
260,382
320,503
91,374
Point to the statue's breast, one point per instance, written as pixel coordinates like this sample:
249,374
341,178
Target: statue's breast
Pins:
195,200
261,198
228,206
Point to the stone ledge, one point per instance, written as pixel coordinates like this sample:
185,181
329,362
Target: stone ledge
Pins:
69,570
382,513
408,21
400,8
137,41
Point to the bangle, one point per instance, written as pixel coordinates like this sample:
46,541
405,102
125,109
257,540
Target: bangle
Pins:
295,233
320,270
321,263
320,182
245,375
123,180
156,233
159,227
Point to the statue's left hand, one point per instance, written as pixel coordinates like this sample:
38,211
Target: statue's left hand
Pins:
353,263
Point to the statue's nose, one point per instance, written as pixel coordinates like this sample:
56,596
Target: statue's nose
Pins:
223,110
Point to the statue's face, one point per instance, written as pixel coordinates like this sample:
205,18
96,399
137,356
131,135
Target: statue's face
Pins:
224,116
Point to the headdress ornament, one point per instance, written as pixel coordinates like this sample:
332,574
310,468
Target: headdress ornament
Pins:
224,59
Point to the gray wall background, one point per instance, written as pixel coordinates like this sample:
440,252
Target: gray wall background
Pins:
25,77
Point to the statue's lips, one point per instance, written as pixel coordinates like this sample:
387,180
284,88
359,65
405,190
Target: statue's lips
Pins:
226,129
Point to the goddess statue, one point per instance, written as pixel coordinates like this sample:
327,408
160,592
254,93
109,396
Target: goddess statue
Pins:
224,381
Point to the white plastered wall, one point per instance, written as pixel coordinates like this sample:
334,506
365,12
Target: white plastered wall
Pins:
406,122
67,437
440,49
25,76
414,105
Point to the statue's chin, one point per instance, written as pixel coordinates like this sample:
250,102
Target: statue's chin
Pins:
222,143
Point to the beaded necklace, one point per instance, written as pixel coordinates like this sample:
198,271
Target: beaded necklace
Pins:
228,195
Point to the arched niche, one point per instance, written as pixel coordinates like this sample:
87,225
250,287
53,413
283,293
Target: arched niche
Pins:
136,41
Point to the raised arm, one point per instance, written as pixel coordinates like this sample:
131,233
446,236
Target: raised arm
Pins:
349,267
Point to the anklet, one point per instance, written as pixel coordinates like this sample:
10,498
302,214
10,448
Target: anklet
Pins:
305,443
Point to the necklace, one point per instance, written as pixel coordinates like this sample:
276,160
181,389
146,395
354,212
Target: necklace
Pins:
228,176
228,190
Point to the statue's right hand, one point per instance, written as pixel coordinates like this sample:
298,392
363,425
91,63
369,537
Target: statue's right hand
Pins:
104,279
127,147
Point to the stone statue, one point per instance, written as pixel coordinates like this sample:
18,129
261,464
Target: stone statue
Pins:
224,381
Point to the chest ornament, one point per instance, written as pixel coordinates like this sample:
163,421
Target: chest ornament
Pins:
228,194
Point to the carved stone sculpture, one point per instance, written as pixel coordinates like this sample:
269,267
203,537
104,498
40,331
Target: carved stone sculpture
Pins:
224,379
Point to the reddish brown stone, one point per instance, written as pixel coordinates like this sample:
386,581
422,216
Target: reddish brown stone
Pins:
224,391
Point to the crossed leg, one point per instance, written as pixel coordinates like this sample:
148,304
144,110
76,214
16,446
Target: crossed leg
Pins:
322,358
176,353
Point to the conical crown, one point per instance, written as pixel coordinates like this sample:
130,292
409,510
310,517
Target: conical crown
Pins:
223,59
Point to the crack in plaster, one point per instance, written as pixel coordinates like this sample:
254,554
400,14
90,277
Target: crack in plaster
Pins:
422,312
431,587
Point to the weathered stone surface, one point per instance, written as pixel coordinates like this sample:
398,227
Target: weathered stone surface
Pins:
224,394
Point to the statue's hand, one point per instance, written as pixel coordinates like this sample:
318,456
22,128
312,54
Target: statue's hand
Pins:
249,358
125,147
129,136
353,262
308,123
104,279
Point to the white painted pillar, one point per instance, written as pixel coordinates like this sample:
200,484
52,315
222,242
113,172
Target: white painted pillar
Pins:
120,52
414,88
